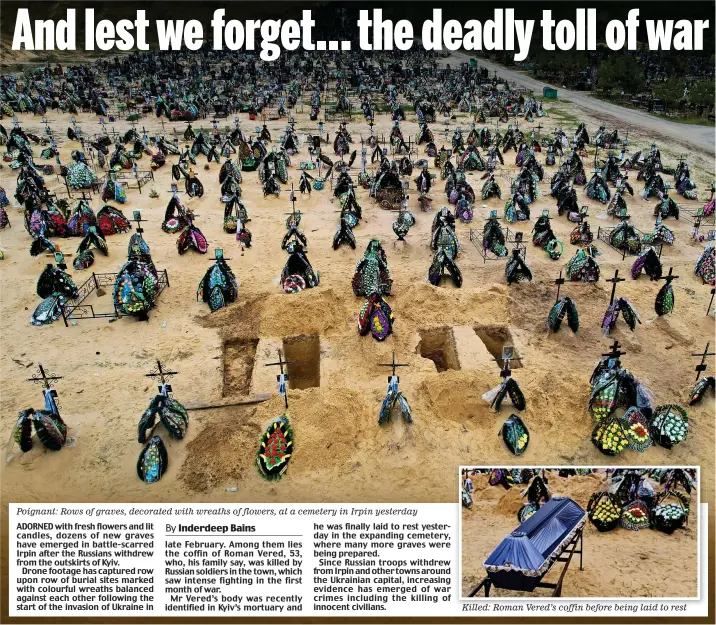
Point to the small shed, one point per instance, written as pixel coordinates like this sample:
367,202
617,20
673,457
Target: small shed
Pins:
549,92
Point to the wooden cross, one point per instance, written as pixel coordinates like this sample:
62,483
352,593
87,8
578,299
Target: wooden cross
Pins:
294,212
161,373
701,367
393,365
615,352
281,362
559,282
615,280
713,292
45,378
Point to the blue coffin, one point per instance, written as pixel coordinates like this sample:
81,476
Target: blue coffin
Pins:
521,560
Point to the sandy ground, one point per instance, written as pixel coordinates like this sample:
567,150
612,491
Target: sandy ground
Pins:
341,454
619,563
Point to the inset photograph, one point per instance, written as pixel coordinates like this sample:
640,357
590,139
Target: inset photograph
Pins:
531,532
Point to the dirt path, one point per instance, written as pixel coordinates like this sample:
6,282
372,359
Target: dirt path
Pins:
689,135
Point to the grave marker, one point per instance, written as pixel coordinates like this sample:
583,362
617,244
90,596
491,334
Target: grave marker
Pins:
282,377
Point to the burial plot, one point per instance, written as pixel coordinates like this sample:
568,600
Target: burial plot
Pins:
305,350
438,345
239,357
495,338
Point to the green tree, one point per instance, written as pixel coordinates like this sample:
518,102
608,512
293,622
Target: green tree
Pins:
620,73
671,91
701,95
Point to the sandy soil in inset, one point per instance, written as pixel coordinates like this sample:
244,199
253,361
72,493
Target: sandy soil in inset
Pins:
619,563
340,452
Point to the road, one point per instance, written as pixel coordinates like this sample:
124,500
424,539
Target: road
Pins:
690,136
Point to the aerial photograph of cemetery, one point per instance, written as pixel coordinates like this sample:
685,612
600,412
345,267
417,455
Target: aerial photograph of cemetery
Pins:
340,275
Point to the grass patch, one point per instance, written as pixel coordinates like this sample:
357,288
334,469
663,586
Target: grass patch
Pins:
694,121
562,116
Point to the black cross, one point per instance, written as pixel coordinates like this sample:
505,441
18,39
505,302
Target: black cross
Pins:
713,292
615,280
138,220
61,260
614,353
669,277
506,371
394,365
292,199
220,256
701,367
45,378
281,362
559,282
159,372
